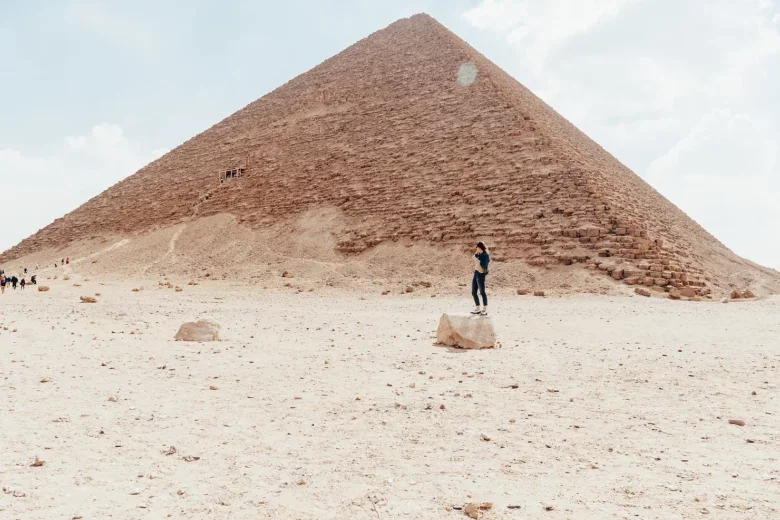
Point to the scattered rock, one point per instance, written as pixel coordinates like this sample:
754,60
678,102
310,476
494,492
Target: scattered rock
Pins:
190,458
88,299
642,292
198,331
674,294
748,294
485,437
736,295
738,422
538,293
17,493
170,451
37,463
466,331
43,288
409,289
475,510
522,292
286,274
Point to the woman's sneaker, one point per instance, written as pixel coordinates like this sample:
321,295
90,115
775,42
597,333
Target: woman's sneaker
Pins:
476,311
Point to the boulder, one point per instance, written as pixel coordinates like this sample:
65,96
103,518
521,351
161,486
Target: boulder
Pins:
642,292
674,294
688,292
198,331
522,292
748,294
736,295
538,293
466,331
43,288
88,299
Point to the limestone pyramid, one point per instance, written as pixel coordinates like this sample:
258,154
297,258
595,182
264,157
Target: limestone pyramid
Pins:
415,136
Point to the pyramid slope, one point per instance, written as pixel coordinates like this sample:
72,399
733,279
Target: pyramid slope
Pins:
385,133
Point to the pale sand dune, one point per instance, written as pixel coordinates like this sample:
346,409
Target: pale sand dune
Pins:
638,426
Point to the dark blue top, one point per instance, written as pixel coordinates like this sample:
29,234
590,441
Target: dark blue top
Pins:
484,260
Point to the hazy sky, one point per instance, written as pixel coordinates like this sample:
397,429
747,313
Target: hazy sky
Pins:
684,92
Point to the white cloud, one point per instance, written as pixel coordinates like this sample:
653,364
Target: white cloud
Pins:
682,92
140,39
37,190
539,26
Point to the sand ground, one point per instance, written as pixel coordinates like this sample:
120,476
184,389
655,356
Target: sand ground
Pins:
329,404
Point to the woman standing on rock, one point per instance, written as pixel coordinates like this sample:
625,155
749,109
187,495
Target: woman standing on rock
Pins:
481,261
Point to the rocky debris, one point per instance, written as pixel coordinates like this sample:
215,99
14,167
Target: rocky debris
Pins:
736,295
642,292
485,437
198,331
475,510
409,289
287,274
37,463
688,292
737,422
674,294
88,299
538,293
43,288
16,493
748,294
427,285
522,292
466,331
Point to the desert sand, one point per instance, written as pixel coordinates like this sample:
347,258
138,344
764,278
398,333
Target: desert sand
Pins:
336,403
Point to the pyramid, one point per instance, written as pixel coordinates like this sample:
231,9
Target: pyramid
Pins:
416,137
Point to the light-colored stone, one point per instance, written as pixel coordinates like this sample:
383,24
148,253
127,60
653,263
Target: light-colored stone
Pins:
466,331
198,331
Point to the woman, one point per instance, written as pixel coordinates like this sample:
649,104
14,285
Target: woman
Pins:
481,261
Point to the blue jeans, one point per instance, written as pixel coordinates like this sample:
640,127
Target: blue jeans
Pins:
478,282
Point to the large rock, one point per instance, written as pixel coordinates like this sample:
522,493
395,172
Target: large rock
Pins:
466,331
198,331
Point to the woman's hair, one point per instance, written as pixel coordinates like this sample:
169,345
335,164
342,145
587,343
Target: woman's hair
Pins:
482,246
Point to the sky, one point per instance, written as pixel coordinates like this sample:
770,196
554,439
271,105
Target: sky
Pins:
684,92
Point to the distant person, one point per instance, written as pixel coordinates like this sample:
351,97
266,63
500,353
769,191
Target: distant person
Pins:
67,261
2,283
22,283
25,270
34,279
481,261
14,281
